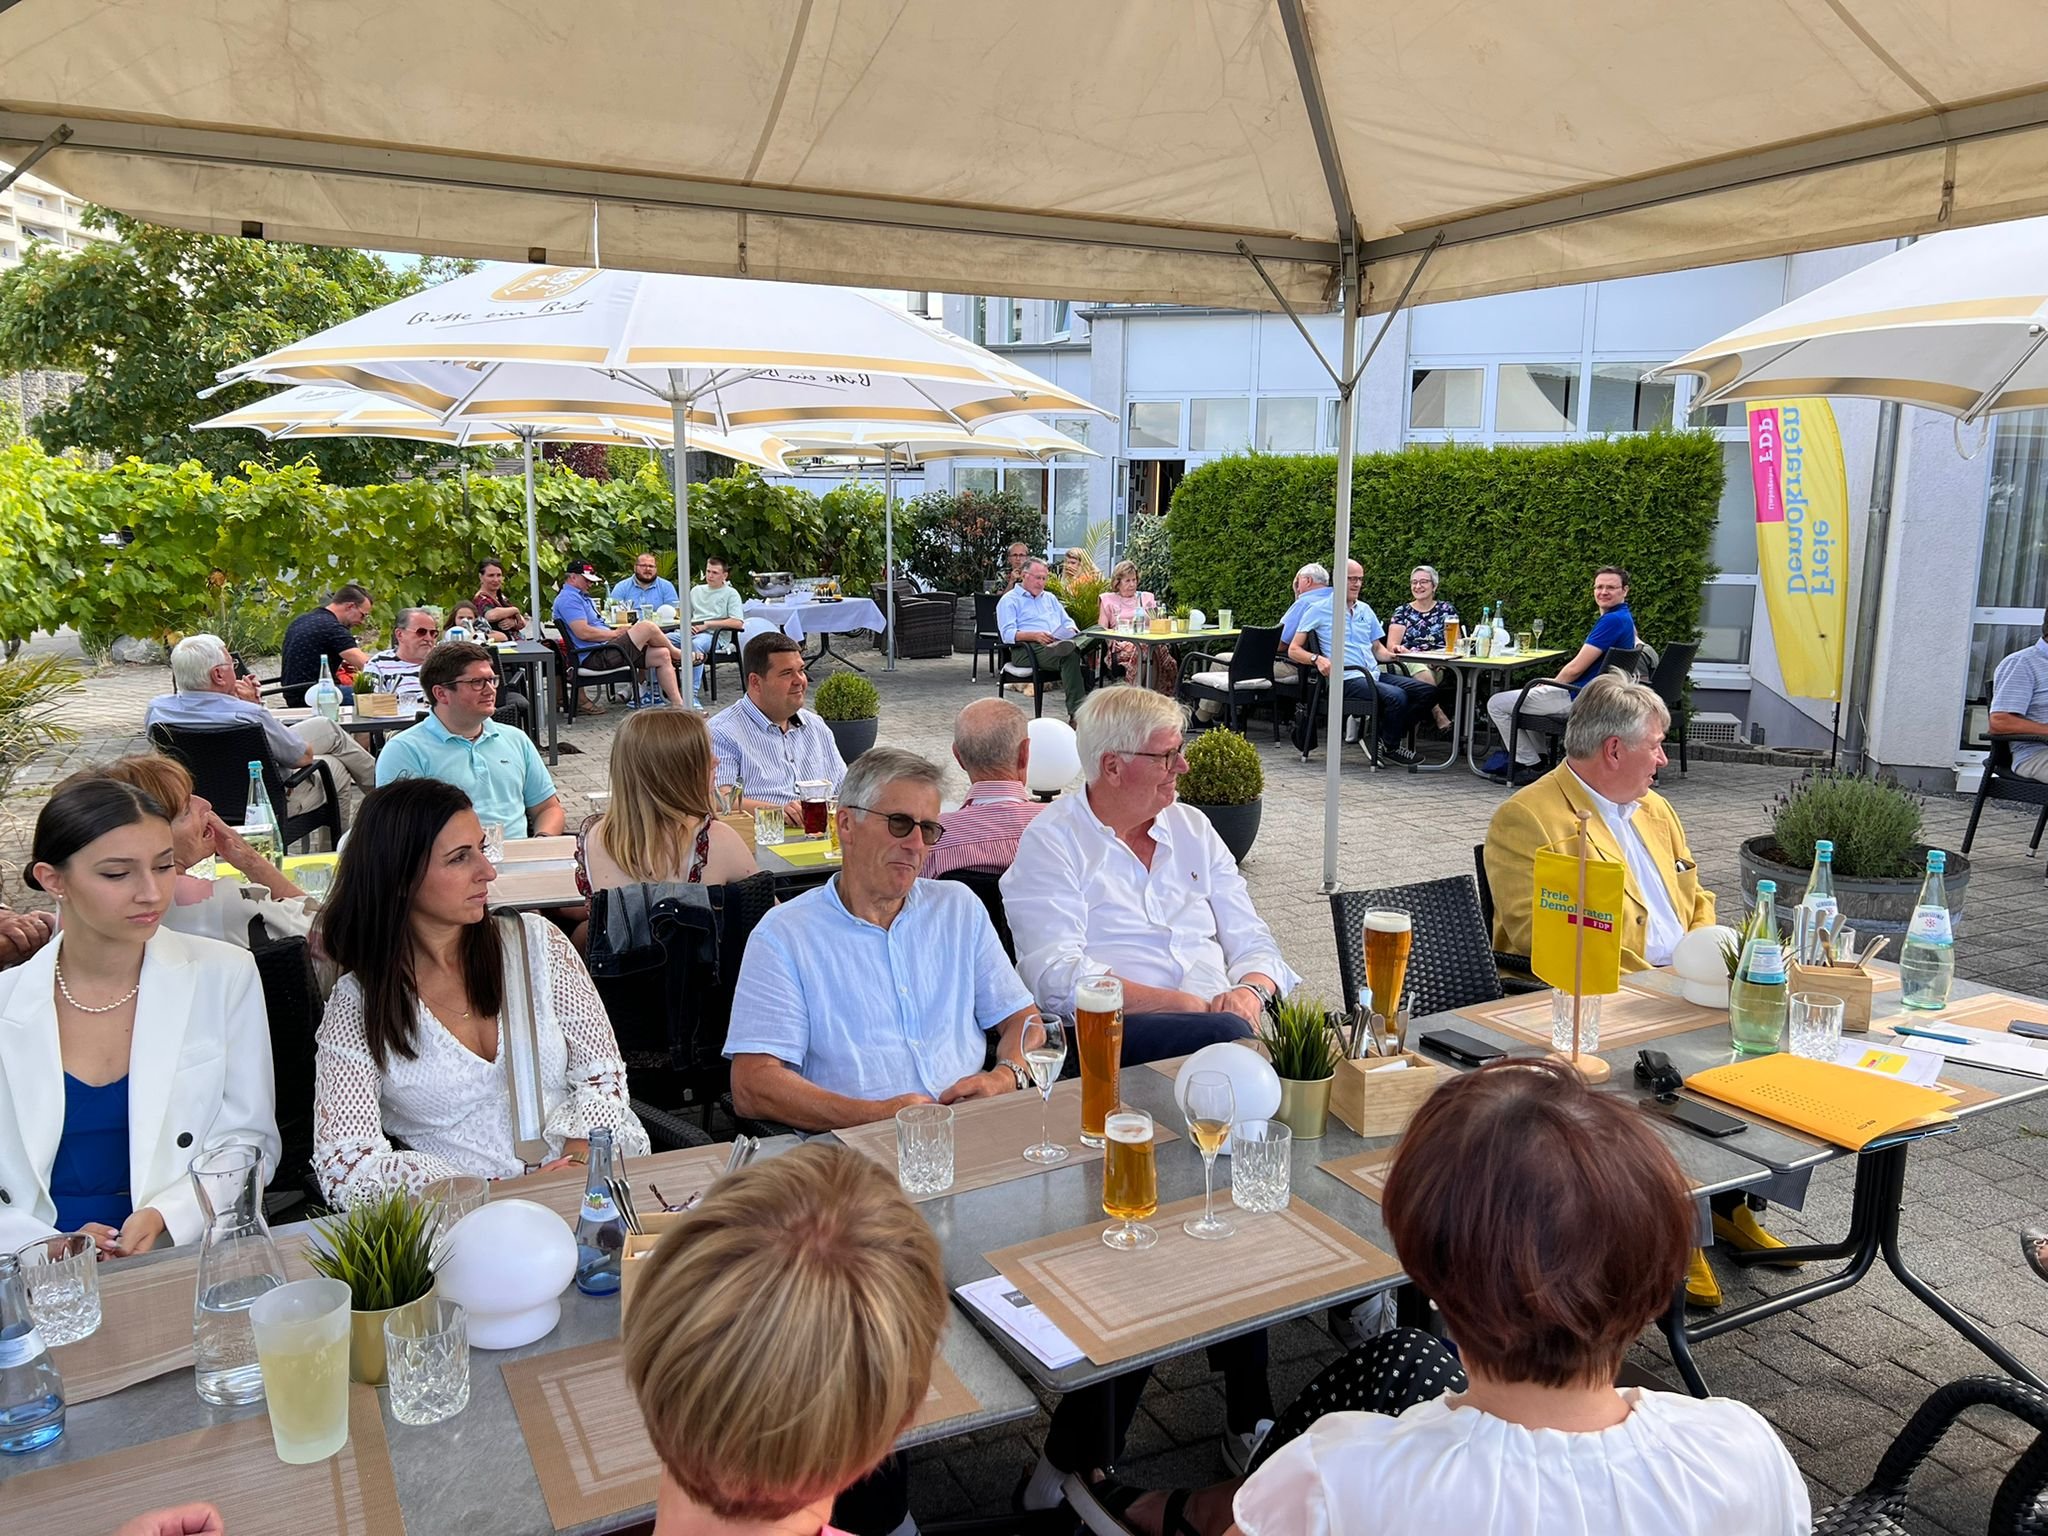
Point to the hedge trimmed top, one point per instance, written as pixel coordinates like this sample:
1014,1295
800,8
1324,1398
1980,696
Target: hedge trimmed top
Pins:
1524,526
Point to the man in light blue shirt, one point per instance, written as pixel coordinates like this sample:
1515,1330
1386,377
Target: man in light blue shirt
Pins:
2019,706
877,989
1400,696
1032,618
768,743
1308,581
498,767
646,587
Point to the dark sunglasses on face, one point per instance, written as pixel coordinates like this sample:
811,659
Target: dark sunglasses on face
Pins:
421,629
901,826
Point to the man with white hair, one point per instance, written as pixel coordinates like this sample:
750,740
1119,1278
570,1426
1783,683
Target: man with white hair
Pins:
396,669
1119,878
992,745
209,693
1036,626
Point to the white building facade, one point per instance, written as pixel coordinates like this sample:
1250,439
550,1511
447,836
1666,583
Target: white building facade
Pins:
33,212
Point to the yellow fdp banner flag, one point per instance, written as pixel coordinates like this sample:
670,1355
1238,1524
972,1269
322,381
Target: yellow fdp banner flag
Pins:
1557,920
1802,539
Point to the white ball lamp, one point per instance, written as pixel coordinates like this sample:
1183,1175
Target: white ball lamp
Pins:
1254,1085
1702,972
1055,760
508,1264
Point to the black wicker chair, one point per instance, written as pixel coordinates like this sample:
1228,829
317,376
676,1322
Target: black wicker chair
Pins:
1623,659
1514,970
1244,679
292,1001
1037,674
2001,783
2016,1510
924,620
986,883
988,635
1451,963
725,646
218,758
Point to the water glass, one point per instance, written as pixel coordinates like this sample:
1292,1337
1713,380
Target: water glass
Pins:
1224,618
62,1275
426,1360
315,879
454,1198
494,843
924,1149
768,825
1561,1022
302,1345
1261,1165
1816,1020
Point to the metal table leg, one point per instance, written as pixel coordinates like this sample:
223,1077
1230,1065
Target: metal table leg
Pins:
1457,720
825,649
544,703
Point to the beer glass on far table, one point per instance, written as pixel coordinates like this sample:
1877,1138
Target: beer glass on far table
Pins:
1388,935
1130,1180
1452,634
1099,1038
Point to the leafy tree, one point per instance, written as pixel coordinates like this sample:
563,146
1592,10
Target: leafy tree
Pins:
149,317
956,539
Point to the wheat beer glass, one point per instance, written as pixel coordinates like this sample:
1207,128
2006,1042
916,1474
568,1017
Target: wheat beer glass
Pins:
1099,1037
1387,938
1130,1180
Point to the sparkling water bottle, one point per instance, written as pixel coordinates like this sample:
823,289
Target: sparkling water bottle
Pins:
1927,967
324,696
600,1228
1816,906
31,1390
260,827
1757,996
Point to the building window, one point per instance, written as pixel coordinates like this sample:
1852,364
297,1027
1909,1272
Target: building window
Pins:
977,321
1216,426
981,482
1623,399
1727,613
1027,483
1332,410
1537,397
1734,548
1445,398
1062,318
1075,427
1013,321
1287,425
2012,565
1069,506
1154,424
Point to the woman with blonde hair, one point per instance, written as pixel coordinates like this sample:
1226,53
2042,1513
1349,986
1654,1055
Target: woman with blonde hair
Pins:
780,1341
1121,601
662,824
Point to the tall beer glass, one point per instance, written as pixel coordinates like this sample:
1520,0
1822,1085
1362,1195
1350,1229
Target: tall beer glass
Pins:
1099,1037
1130,1180
1387,939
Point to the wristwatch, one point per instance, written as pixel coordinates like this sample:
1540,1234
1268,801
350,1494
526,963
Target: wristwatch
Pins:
1265,995
1023,1077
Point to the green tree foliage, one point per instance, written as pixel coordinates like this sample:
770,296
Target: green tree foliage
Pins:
1524,526
149,317
957,538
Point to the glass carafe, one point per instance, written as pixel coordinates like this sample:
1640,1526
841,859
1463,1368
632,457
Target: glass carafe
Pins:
238,1262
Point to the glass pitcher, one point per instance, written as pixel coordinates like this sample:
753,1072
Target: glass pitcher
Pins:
238,1262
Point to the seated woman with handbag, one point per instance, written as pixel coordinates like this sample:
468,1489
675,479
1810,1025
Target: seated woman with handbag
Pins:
439,1009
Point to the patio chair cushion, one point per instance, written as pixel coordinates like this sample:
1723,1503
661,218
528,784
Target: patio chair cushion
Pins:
1222,680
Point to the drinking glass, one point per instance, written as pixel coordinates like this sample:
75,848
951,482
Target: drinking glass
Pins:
1210,1107
426,1360
302,1345
455,1198
1389,934
924,1148
1099,1039
1816,1020
1045,1059
768,825
1261,1165
494,843
1225,618
1536,630
1525,639
832,827
63,1280
1130,1180
1561,1022
812,795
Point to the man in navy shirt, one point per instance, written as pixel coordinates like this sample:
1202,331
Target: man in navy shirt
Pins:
1616,627
328,631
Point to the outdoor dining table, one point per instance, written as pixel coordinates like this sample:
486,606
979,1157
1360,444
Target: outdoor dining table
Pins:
535,874
1466,675
1154,641
472,1472
801,617
372,729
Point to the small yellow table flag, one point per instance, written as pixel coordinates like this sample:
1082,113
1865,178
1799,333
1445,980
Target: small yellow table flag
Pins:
1555,953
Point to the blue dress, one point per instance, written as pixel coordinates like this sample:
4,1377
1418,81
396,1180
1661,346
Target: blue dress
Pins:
89,1177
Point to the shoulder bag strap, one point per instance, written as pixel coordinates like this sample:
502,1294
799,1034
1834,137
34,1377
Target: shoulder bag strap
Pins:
519,1031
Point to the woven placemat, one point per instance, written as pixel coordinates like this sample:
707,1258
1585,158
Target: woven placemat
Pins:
1365,1172
1628,1018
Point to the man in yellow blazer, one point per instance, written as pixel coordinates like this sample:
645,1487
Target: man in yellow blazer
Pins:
1614,745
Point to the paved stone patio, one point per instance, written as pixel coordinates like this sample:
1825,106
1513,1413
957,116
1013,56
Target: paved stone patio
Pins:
1837,1378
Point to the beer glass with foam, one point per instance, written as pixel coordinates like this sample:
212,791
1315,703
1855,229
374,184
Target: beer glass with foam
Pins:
1099,1038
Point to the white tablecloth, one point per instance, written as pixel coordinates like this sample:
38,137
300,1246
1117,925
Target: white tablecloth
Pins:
797,620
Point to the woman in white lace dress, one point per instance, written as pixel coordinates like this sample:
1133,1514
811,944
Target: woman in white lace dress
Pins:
411,1077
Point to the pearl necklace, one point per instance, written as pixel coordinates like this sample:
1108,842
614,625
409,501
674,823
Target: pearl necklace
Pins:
120,1002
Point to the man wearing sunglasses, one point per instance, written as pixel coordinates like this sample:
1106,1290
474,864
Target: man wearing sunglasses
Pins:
497,766
396,668
877,989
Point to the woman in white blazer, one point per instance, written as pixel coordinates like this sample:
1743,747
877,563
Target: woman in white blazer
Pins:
125,1048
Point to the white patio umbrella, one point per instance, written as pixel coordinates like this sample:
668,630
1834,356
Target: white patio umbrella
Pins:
1021,437
544,343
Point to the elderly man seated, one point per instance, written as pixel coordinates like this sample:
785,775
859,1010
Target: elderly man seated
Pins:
1366,672
1614,745
1119,878
1032,619
992,745
2019,706
876,989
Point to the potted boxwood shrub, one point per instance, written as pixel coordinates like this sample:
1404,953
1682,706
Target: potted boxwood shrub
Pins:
1879,858
1304,1050
1224,781
849,704
382,1250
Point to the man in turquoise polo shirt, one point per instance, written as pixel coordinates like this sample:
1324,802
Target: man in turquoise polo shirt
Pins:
497,766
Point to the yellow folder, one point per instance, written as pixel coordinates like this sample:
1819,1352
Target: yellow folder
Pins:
1836,1103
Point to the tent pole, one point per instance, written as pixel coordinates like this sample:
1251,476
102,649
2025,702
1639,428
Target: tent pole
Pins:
532,538
1347,440
679,419
889,548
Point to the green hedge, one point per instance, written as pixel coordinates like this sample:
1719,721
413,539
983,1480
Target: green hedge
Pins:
242,553
1526,526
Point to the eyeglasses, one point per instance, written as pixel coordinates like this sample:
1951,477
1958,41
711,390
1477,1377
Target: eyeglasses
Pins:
478,683
901,826
418,629
1178,753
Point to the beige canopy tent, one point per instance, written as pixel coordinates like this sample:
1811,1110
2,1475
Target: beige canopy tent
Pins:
1246,153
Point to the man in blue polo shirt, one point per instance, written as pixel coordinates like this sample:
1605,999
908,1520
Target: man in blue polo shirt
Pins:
584,629
2019,706
497,766
646,587
1616,627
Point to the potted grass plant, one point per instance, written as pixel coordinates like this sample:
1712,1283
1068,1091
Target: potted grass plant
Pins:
1225,782
1304,1050
849,704
382,1250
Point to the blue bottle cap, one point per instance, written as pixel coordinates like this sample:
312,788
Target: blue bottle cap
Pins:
1767,887
1824,850
1937,861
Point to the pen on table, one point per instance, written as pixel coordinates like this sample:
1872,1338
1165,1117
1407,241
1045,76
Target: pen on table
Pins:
1930,1034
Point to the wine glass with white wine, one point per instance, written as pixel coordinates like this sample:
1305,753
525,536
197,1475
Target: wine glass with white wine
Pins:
1044,1057
1536,629
1210,1106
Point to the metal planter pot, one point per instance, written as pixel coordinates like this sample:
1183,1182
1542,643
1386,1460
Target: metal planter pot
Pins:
1237,825
854,736
1305,1107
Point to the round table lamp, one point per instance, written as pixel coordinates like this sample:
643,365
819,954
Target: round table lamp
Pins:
508,1264
1702,972
1254,1085
1055,760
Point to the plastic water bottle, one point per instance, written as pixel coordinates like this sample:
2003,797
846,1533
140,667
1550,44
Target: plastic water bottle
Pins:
1816,906
31,1390
1927,967
324,695
600,1226
260,827
1757,996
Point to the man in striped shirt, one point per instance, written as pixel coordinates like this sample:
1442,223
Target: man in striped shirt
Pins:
768,742
990,742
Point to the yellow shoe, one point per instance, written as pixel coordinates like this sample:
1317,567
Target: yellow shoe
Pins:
1744,1231
1701,1288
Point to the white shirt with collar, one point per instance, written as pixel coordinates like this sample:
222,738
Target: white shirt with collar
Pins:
1665,926
1081,903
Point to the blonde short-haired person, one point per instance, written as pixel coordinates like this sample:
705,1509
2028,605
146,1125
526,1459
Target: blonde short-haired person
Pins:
125,1049
780,1341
